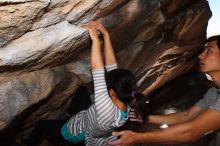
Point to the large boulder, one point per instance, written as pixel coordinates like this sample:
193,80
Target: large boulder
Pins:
44,53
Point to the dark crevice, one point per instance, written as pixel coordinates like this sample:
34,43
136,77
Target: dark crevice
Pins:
12,3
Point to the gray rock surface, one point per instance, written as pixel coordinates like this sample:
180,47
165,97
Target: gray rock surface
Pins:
44,53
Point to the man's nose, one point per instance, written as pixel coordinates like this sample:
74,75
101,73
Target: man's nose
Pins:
202,55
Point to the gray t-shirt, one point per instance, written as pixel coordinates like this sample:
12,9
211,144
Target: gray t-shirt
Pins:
211,100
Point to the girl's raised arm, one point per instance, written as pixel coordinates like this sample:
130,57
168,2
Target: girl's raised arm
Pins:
108,49
96,55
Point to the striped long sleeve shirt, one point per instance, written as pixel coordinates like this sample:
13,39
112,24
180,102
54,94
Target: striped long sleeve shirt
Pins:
102,117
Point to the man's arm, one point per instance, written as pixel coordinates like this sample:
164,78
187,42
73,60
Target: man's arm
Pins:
185,132
189,131
176,118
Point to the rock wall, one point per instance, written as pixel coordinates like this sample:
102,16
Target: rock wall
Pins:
44,53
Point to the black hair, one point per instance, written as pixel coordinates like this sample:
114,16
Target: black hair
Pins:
214,38
123,83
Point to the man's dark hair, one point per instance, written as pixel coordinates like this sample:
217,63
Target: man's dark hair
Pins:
214,38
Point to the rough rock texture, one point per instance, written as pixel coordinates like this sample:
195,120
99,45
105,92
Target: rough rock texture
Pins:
44,53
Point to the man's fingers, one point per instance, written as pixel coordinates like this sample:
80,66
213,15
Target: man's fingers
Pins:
132,109
136,120
122,140
115,143
116,133
132,113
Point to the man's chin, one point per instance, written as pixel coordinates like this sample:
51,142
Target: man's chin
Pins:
202,69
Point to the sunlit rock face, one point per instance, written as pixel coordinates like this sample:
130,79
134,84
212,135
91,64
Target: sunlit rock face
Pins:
44,53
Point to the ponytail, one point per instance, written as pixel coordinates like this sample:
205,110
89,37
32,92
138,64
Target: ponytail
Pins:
141,106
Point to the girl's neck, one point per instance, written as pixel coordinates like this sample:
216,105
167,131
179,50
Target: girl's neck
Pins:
123,107
120,105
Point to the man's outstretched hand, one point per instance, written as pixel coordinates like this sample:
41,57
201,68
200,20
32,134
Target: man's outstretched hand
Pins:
127,138
134,116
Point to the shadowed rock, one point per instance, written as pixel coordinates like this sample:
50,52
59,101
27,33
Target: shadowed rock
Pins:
44,53
175,96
